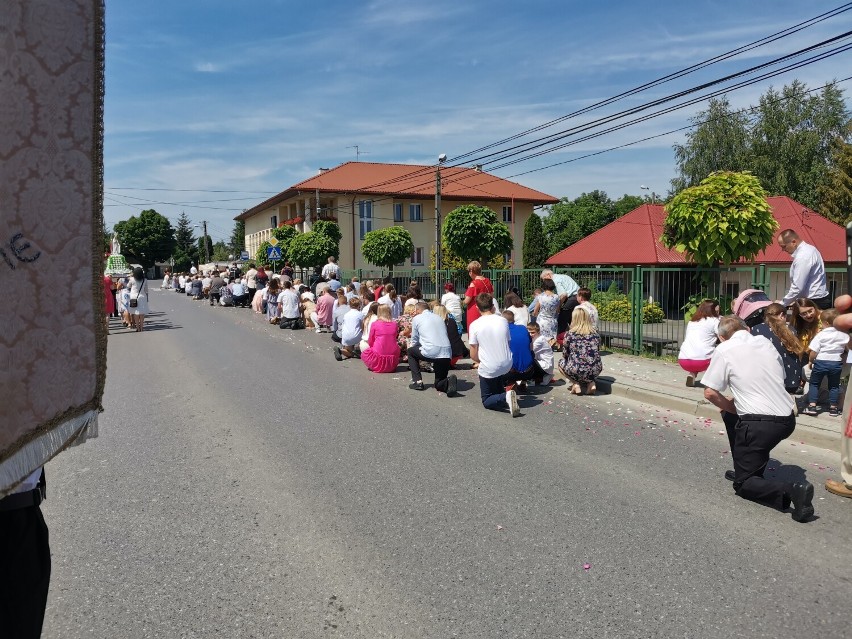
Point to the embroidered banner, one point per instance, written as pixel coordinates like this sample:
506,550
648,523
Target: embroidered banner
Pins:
52,330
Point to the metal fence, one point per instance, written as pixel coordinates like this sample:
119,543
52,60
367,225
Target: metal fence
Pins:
643,309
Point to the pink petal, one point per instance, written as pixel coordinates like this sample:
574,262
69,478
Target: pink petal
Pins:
587,566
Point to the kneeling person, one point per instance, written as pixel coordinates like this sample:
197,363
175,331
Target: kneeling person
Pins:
350,331
430,343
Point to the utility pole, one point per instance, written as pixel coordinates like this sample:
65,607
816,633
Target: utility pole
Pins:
437,230
206,247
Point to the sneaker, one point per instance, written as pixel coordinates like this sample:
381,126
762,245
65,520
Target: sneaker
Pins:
512,400
690,380
802,496
811,409
318,330
547,379
416,386
452,383
833,411
337,354
521,387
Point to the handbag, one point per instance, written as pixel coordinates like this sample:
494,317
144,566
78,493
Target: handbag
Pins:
134,301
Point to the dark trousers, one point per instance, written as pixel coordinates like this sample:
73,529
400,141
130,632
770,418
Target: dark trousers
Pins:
823,368
25,557
214,298
251,292
534,372
493,391
823,302
115,312
241,300
563,320
441,366
754,438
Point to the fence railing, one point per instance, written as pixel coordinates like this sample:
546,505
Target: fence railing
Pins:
642,309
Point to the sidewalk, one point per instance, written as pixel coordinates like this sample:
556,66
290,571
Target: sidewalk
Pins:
661,383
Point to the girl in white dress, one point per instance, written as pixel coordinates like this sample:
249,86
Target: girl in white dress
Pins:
138,292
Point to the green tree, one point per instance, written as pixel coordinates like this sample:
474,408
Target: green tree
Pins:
719,142
724,219
572,220
330,229
388,246
835,194
186,248
535,249
627,203
199,248
792,139
311,249
146,239
237,243
475,233
221,252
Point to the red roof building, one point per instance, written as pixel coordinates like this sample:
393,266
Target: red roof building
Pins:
363,196
634,239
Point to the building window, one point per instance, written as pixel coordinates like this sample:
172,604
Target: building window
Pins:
273,221
507,213
397,212
414,213
365,216
417,256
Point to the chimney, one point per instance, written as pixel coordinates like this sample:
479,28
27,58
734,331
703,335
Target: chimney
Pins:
477,167
322,170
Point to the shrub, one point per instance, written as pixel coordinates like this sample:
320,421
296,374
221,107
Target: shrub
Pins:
652,313
619,309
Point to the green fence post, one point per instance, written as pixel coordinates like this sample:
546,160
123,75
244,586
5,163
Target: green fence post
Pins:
636,311
762,282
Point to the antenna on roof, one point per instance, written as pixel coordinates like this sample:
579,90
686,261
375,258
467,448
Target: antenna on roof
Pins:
358,151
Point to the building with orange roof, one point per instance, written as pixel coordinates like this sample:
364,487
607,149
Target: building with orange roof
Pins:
634,240
364,196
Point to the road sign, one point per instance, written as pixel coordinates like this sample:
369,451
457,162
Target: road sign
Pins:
244,255
273,253
273,240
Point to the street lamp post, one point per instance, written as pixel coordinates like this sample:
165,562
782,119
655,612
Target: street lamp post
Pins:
206,247
441,159
653,195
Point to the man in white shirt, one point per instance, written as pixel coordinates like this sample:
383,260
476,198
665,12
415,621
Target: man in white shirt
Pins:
430,343
752,368
330,269
489,347
807,272
351,329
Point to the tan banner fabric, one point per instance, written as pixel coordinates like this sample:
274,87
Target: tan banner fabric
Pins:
52,331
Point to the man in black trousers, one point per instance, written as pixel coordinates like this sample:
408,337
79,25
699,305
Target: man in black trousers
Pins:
751,367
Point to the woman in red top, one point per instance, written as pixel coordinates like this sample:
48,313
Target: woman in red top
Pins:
478,284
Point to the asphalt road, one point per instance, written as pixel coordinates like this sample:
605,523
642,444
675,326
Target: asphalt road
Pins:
245,484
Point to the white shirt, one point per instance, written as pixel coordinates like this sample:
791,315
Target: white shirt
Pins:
829,344
351,331
394,305
807,275
251,278
193,270
543,352
288,299
330,268
592,310
565,284
491,334
522,315
429,330
452,302
752,368
700,339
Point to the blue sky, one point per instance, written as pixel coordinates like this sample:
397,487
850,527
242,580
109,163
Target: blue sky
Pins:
255,96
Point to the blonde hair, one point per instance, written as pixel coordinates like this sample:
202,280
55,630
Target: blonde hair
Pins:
475,268
581,323
774,316
383,312
440,310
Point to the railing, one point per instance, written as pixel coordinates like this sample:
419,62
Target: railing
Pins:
643,309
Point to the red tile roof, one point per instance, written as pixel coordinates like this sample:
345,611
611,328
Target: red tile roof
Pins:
409,181
634,239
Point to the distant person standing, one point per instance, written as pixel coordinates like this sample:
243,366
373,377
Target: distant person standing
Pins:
807,272
331,269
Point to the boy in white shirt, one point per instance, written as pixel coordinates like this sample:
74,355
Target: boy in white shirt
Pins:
825,353
543,353
350,330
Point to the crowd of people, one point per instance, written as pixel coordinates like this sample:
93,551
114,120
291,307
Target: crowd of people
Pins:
510,348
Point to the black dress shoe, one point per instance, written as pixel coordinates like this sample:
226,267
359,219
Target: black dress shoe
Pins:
730,475
416,386
452,384
802,496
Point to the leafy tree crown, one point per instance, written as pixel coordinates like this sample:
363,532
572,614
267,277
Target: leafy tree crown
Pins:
387,247
475,233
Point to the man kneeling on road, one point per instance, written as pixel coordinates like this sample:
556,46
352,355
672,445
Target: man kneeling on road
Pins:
752,368
430,343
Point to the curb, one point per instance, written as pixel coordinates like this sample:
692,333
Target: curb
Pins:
808,429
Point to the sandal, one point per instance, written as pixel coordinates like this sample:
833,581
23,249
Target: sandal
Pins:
833,411
811,409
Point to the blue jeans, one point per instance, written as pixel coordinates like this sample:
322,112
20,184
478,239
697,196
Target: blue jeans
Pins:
493,390
824,368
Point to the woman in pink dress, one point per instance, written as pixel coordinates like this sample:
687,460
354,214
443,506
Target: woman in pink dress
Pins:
382,356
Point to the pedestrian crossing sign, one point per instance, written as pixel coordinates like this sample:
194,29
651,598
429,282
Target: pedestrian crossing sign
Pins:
273,253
